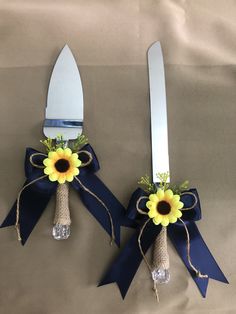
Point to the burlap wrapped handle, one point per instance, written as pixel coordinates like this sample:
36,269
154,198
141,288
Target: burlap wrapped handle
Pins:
160,253
62,213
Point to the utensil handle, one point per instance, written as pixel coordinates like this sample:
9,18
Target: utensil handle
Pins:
160,253
62,213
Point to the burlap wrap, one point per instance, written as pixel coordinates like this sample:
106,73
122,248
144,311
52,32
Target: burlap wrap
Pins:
62,213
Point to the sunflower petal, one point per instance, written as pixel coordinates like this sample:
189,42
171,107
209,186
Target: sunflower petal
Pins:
48,170
150,204
175,199
177,213
62,178
60,151
157,220
180,205
53,155
67,152
160,194
53,176
47,162
74,156
75,163
165,221
153,198
168,194
152,213
172,218
69,177
75,171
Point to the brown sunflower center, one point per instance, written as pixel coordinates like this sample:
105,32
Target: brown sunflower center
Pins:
163,208
62,165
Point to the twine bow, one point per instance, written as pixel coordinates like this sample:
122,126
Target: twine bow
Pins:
34,196
160,243
125,266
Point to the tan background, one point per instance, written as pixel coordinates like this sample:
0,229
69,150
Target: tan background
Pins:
109,40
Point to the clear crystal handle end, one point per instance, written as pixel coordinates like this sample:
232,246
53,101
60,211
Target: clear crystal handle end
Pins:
161,275
61,232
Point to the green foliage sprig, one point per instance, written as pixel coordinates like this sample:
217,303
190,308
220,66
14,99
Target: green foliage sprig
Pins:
150,187
48,143
178,189
60,143
163,177
147,184
80,141
52,145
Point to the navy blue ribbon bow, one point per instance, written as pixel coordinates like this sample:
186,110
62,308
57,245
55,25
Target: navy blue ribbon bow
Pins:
126,265
36,196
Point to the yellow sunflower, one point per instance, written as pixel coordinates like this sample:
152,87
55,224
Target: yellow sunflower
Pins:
164,207
62,165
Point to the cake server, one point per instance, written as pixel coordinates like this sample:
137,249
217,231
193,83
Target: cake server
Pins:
64,119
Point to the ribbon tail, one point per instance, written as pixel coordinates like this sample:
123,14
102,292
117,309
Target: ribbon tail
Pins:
125,267
32,205
115,208
201,256
128,261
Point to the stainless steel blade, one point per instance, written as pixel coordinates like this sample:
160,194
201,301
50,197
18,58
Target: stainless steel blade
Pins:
159,131
64,110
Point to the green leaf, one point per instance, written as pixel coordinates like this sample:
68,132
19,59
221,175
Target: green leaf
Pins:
60,143
147,184
48,143
80,141
178,189
163,178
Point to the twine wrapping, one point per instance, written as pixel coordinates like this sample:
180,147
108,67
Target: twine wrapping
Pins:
36,192
124,268
160,253
197,271
160,258
62,213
